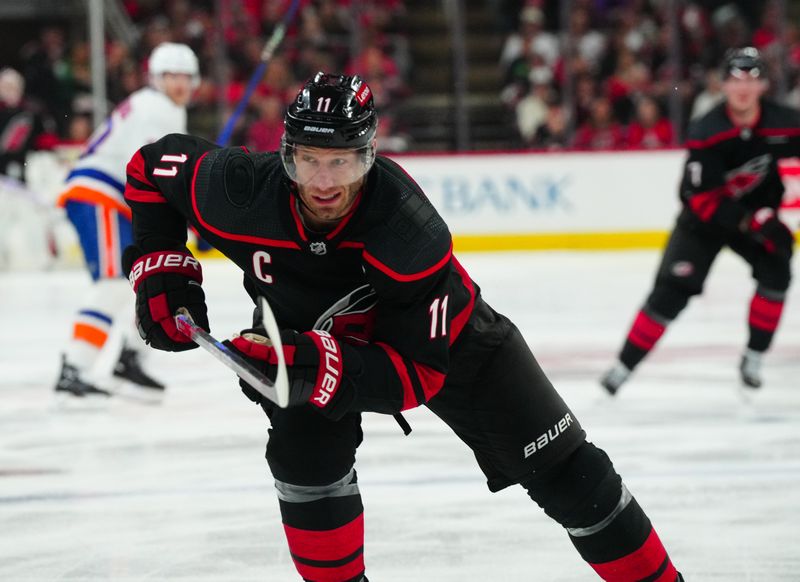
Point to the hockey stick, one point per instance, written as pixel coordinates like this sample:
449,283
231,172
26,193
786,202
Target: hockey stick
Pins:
269,49
276,392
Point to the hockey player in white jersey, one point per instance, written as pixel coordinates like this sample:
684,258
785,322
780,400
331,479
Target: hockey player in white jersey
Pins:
93,200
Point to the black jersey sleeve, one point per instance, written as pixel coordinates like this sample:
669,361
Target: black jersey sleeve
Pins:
704,189
159,183
425,298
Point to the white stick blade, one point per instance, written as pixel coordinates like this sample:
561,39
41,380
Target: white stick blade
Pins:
274,334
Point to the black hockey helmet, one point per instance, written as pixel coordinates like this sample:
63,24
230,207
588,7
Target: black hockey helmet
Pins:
744,61
331,111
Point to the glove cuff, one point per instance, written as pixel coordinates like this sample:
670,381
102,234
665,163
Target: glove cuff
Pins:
330,371
159,262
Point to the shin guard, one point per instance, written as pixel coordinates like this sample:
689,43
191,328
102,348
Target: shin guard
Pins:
324,527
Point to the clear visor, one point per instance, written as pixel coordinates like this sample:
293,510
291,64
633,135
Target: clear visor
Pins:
326,167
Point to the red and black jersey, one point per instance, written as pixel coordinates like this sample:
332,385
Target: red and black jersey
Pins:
385,280
732,171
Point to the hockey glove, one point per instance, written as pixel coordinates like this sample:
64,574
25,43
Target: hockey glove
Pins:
770,232
314,364
165,281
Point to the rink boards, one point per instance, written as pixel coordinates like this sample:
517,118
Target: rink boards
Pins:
540,200
586,200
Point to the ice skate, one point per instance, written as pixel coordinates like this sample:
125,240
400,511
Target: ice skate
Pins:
750,369
70,383
137,383
615,377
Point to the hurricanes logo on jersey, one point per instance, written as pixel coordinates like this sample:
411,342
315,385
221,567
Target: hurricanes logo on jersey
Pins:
351,318
748,176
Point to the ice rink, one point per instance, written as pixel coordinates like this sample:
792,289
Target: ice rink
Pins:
180,490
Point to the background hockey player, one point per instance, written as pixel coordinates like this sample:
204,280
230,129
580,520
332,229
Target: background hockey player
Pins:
731,192
377,316
22,128
94,203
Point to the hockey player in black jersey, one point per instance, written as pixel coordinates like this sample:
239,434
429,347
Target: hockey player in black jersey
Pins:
378,316
731,191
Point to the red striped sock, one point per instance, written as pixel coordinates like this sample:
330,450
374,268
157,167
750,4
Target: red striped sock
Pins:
765,313
650,562
334,555
645,331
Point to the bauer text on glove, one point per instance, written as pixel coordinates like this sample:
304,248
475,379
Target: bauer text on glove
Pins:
314,363
165,281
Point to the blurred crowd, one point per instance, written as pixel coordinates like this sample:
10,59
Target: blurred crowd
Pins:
596,76
52,80
605,79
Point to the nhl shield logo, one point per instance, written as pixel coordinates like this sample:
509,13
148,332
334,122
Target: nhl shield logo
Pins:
318,248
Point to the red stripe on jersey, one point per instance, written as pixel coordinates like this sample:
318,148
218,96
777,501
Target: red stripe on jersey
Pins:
431,380
257,240
643,564
298,222
136,169
332,234
459,321
409,398
765,313
333,546
413,276
645,331
136,195
696,144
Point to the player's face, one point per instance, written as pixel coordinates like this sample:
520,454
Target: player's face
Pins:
328,181
743,89
178,87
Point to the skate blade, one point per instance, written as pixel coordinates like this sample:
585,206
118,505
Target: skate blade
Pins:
65,401
132,392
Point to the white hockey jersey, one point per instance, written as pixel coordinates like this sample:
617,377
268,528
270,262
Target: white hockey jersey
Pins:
99,174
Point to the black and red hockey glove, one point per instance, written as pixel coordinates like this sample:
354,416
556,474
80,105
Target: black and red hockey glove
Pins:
165,281
765,226
314,364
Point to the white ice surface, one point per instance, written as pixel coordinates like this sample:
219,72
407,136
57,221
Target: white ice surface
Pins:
180,490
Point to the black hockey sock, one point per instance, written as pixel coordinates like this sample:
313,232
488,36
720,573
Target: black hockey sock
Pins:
765,314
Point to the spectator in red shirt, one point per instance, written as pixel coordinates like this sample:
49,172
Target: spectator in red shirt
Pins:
264,134
649,129
602,131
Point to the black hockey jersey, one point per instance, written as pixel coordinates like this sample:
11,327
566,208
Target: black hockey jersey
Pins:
733,171
385,280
